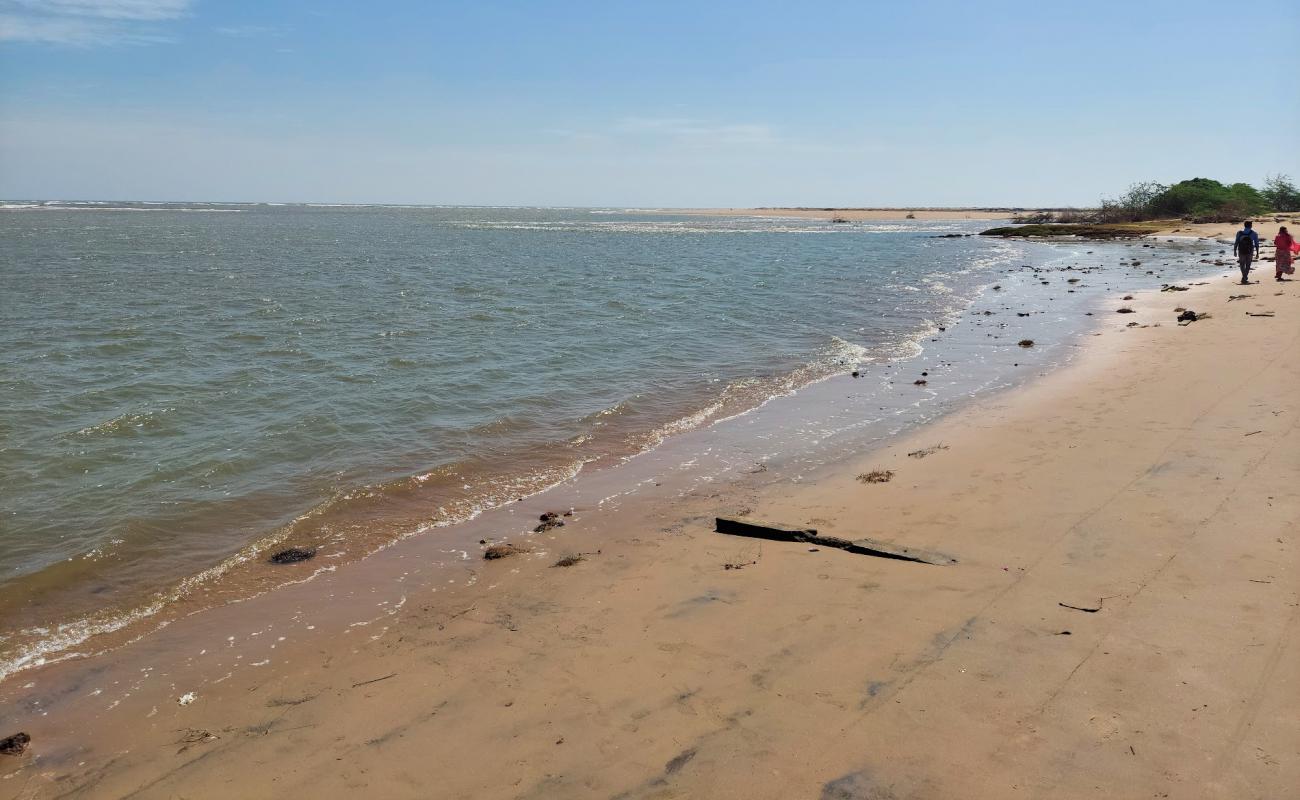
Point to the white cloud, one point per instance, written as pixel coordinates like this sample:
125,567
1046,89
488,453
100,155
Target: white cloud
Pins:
85,23
108,9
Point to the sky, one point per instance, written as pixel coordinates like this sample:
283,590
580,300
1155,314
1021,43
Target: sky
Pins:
622,103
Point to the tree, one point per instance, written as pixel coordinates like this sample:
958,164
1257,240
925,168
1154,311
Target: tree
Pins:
1133,205
1281,193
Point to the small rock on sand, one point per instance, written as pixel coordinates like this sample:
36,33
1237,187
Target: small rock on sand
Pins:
15,745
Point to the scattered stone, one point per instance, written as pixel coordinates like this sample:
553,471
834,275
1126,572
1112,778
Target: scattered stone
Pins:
548,523
1128,297
1124,310
15,745
1026,342
502,551
876,476
293,555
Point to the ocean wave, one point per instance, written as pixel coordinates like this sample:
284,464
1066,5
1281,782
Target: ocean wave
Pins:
128,423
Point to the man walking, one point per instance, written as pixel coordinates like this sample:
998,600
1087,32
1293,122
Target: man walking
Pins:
1246,248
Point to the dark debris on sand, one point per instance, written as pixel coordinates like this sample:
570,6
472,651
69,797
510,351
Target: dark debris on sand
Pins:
292,555
502,551
15,745
551,519
876,476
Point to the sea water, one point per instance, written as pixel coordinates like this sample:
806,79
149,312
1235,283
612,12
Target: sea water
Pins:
187,387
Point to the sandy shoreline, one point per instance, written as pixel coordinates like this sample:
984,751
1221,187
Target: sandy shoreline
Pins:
1266,226
857,214
1155,478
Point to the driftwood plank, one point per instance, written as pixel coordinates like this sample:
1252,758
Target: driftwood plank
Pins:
867,547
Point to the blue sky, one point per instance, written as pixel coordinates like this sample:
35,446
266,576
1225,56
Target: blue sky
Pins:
640,103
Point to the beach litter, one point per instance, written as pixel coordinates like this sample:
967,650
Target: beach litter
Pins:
864,547
374,680
1260,314
1189,316
1026,342
502,551
186,699
15,745
570,560
292,555
876,476
1124,310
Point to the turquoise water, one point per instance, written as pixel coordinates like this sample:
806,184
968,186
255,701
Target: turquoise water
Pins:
187,386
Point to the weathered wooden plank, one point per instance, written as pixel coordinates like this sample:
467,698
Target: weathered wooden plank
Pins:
760,529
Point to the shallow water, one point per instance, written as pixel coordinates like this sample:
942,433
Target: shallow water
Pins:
188,386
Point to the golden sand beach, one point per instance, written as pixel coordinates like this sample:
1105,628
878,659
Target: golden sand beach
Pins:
1123,619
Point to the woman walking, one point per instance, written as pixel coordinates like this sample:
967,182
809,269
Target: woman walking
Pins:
1284,245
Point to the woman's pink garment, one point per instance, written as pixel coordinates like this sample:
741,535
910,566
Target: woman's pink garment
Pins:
1283,244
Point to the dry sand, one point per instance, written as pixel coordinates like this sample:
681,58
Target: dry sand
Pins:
1156,479
1265,226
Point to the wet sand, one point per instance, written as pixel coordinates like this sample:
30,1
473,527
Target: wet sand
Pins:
1124,619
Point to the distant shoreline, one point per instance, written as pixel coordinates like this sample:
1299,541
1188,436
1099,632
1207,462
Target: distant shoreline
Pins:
857,214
